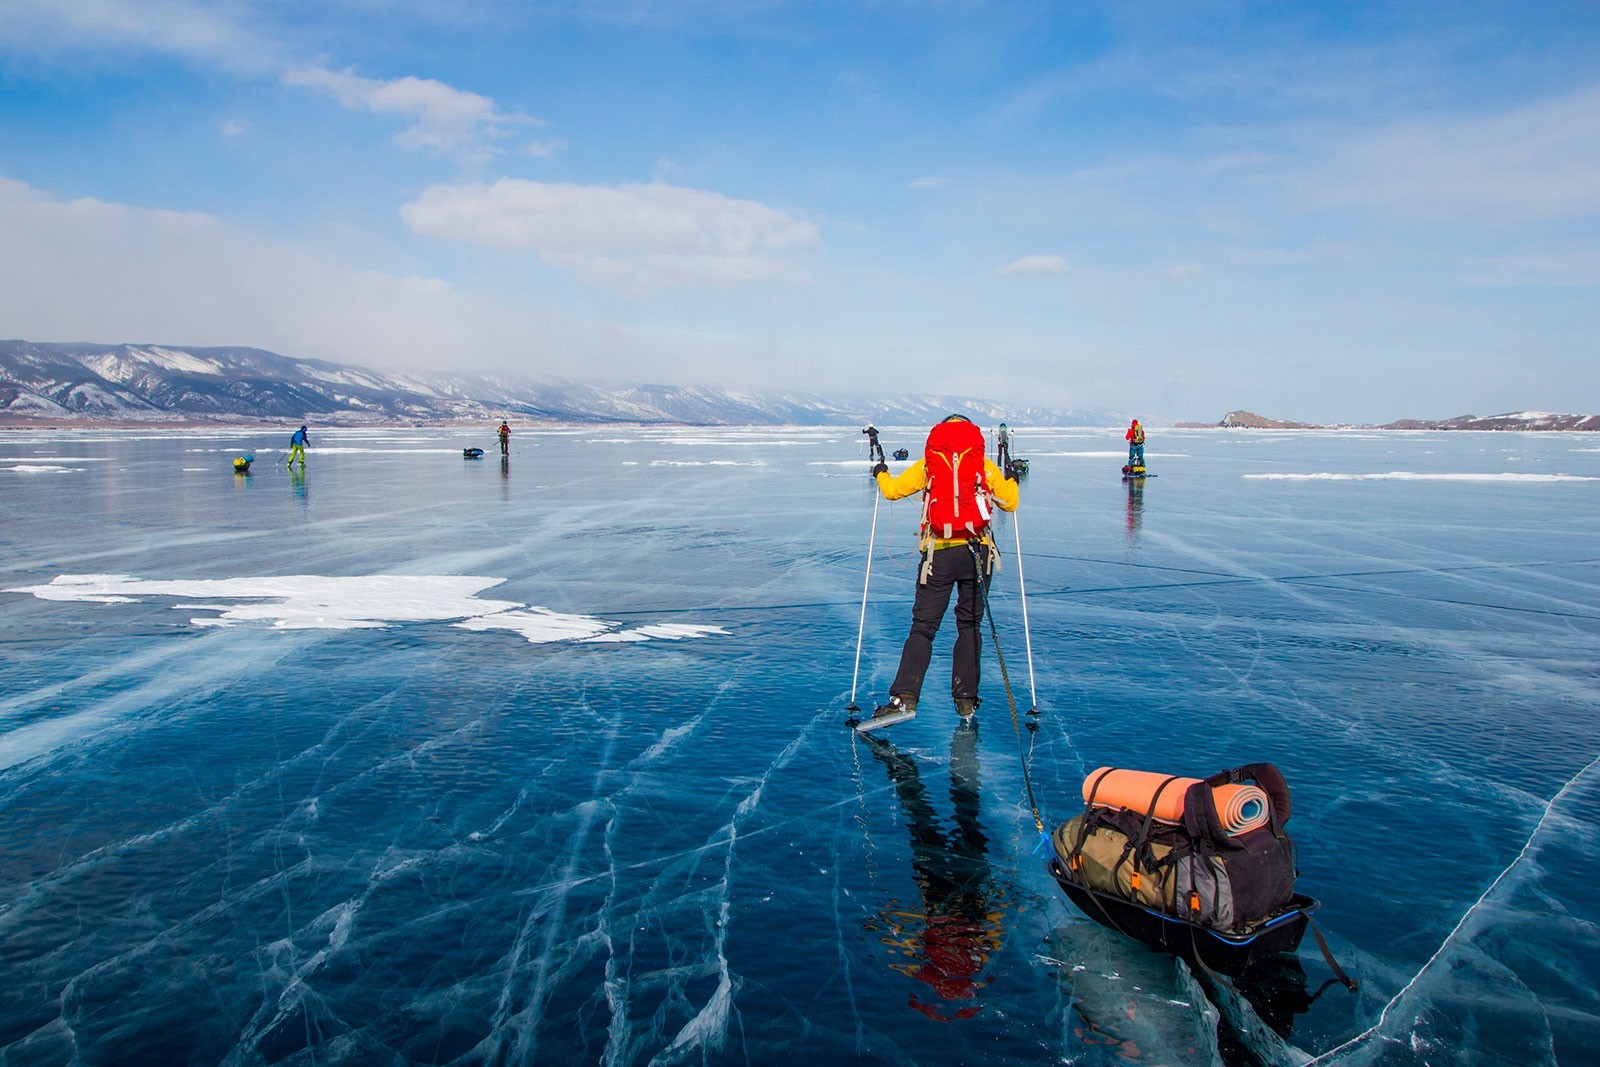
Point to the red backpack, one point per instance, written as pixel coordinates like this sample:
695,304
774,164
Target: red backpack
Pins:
957,497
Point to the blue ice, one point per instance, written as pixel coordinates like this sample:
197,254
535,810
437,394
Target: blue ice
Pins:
410,759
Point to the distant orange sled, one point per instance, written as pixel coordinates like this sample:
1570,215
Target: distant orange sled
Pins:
1242,807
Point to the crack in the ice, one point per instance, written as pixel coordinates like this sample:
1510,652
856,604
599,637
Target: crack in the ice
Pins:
1378,1028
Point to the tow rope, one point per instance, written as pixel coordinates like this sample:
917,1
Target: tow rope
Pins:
986,578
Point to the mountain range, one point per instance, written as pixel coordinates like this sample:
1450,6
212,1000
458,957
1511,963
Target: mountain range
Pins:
144,383
1515,420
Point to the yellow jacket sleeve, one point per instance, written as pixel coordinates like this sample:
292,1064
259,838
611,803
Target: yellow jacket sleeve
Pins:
914,479
1004,490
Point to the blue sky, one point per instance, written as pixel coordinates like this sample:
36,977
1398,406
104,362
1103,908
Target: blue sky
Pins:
1326,212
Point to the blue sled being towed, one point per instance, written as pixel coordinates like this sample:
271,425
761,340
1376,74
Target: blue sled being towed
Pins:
1225,953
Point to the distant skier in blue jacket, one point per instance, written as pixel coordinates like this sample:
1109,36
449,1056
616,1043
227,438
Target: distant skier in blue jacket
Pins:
297,448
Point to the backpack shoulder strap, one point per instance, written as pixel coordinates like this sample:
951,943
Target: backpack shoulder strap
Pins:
1200,817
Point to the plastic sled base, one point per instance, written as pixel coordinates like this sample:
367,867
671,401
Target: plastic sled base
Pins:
1224,953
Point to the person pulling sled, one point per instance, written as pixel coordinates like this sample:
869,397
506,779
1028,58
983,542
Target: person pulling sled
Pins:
297,448
1135,439
960,488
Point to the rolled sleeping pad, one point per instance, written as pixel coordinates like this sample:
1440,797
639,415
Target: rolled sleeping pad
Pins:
1242,807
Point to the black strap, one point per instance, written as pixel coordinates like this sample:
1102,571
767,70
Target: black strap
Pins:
1327,955
1149,816
1101,908
1117,866
1095,789
1084,822
1194,950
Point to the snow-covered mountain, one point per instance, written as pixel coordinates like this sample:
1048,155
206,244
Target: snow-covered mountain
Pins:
166,383
1514,420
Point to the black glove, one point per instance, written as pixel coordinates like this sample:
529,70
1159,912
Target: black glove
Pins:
880,468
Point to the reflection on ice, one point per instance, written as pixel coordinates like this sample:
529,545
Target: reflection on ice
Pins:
1125,1003
944,940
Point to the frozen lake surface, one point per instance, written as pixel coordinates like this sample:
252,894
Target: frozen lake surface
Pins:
414,759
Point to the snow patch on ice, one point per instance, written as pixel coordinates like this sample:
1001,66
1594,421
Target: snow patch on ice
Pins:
539,625
660,631
92,459
1116,455
1121,454
321,602
43,469
1412,476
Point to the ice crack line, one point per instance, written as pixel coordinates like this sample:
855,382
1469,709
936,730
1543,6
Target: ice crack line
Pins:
707,1030
1383,1017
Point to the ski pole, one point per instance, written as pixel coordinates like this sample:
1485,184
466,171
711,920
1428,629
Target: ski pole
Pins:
861,627
1027,635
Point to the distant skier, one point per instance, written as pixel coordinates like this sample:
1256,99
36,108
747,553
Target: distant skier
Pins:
1002,451
505,438
297,448
960,487
1135,439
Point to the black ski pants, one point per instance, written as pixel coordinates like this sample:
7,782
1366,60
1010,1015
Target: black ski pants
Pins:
957,569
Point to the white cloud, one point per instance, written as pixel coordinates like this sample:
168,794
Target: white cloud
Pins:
178,27
98,271
630,236
109,272
234,127
546,149
1043,264
446,120
925,183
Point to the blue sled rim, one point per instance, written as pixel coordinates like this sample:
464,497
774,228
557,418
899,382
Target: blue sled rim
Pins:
1225,953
